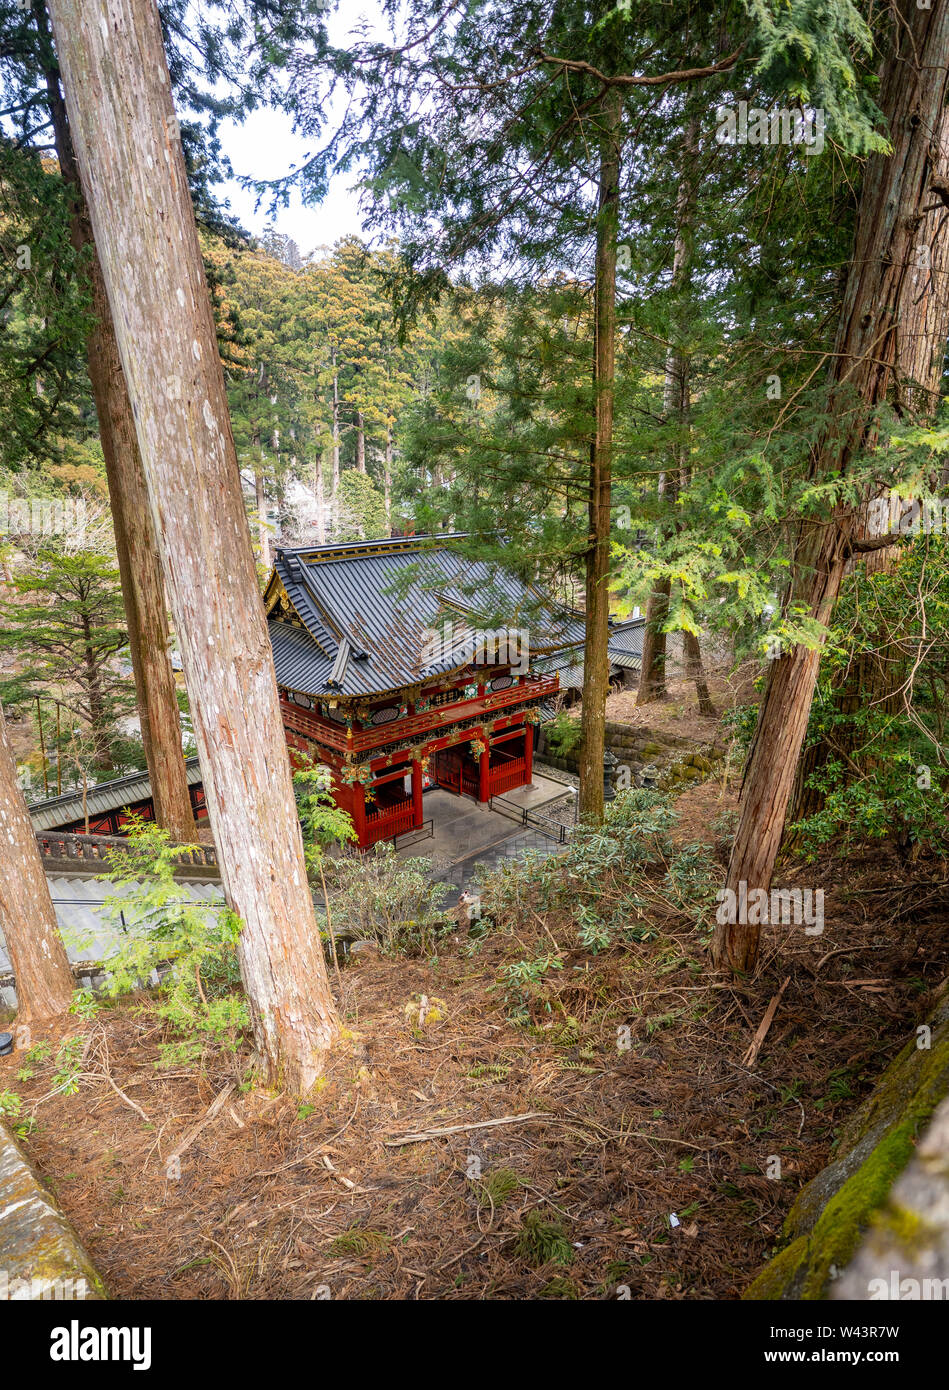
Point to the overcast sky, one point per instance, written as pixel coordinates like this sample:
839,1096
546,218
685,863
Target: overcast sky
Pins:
265,147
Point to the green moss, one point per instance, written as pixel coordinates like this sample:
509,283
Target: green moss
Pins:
841,1224
907,1094
805,1264
907,1227
911,1071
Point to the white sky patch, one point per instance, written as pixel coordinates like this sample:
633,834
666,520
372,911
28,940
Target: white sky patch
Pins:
265,146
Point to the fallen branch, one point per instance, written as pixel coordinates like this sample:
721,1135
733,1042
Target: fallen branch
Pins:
122,1096
840,951
751,1056
423,1136
192,1134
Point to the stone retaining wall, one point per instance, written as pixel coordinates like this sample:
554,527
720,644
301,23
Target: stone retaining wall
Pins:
675,759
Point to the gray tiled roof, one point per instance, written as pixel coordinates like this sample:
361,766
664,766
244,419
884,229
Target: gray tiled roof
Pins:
298,661
104,797
625,648
340,594
626,643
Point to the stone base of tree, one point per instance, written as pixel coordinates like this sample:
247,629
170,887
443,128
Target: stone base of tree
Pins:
860,1201
40,1253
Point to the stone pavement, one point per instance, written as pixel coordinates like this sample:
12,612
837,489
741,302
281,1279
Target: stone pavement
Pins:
461,874
467,833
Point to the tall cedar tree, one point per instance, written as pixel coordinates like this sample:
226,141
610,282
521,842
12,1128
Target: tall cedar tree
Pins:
220,67
43,978
136,547
878,679
495,131
122,118
878,310
487,133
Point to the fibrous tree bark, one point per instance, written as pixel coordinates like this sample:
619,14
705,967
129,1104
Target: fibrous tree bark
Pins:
877,675
877,312
99,724
263,525
319,496
696,672
387,474
360,442
596,668
118,97
334,496
652,680
44,980
135,543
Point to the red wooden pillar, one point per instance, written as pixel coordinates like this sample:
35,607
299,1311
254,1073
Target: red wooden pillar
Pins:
484,790
528,754
416,793
359,813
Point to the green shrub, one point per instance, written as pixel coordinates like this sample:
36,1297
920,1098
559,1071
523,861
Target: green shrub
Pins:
740,724
383,897
880,717
564,735
190,947
616,880
522,981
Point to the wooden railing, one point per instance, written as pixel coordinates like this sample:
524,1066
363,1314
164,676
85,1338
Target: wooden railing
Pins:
385,824
414,725
425,831
510,774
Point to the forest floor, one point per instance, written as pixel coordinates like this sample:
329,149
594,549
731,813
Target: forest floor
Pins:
729,687
328,1199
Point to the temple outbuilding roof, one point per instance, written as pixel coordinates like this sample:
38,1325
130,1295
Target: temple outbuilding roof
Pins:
369,617
101,798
